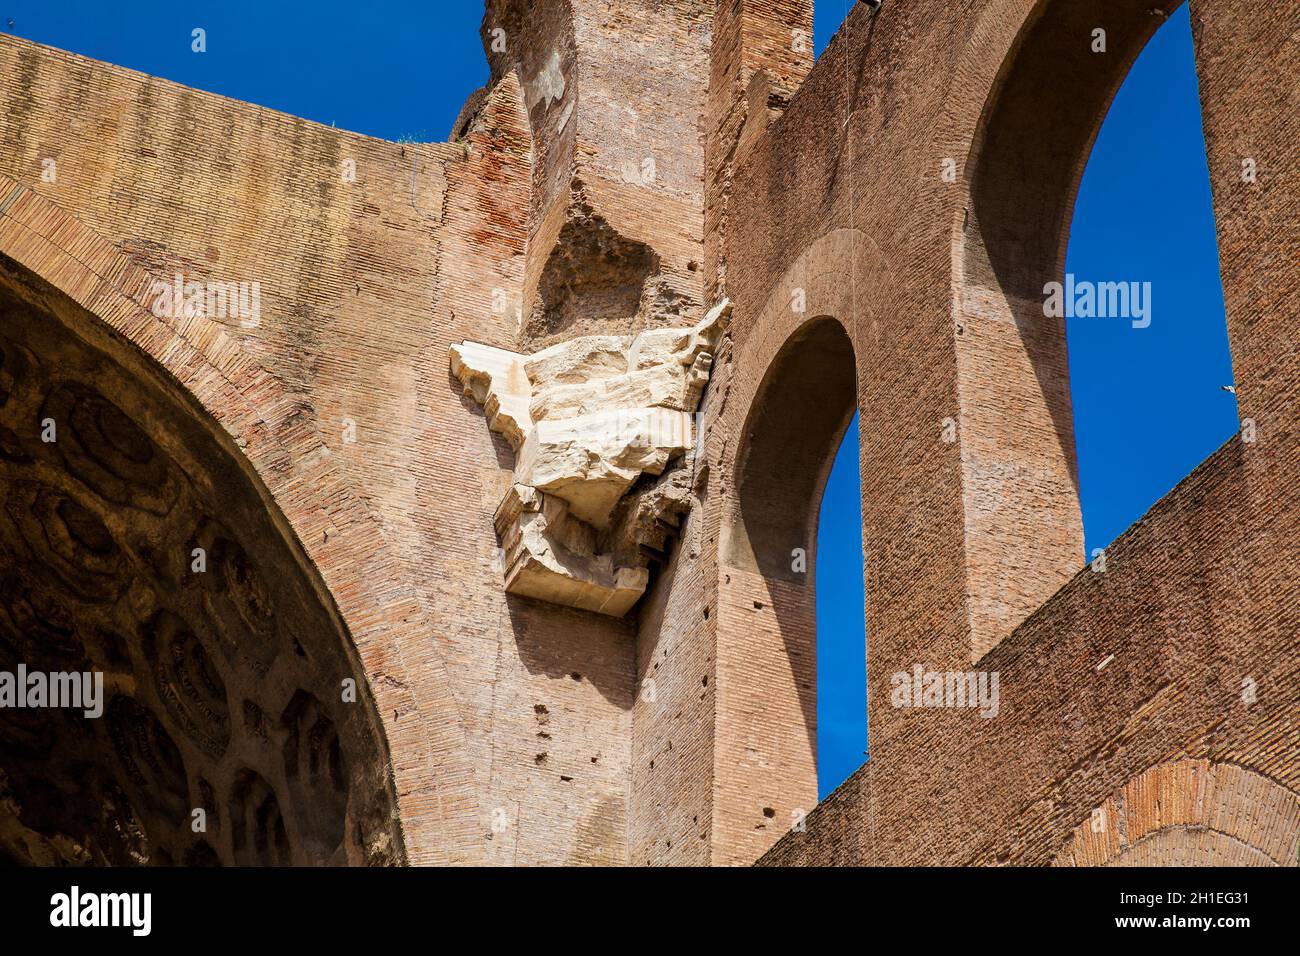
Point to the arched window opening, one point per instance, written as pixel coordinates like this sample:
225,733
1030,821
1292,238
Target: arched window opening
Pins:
841,622
771,547
1022,305
1088,167
1150,401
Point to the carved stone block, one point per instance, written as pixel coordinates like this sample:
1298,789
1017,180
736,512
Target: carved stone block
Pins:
587,418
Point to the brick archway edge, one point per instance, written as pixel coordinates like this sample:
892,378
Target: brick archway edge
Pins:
432,777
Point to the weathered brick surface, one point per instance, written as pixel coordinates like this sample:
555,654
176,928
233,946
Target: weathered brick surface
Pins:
521,732
962,541
1175,630
1190,812
360,302
614,94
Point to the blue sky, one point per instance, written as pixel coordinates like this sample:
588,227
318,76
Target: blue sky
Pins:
390,69
1147,403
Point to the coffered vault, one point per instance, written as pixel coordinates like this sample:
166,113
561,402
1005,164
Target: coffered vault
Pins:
665,260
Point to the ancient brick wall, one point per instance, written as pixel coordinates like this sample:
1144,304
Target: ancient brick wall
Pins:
1188,596
614,94
365,284
373,258
881,221
1119,672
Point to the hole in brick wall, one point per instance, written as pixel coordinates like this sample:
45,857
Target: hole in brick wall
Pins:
592,275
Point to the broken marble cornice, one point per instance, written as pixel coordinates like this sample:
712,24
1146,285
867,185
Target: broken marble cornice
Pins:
496,380
552,556
549,83
587,419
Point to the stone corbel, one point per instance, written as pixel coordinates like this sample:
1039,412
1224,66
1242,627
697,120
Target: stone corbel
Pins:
586,419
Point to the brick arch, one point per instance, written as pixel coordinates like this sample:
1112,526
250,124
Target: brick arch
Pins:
1026,148
263,425
789,426
827,277
1023,137
1190,812
797,419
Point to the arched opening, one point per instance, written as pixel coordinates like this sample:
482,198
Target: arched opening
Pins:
1017,425
798,418
205,714
1150,397
801,411
841,621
